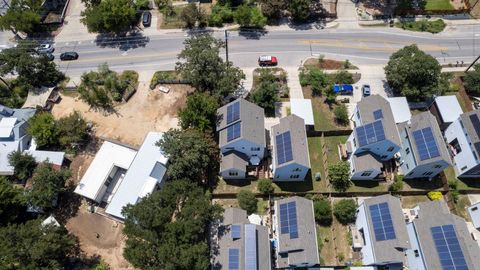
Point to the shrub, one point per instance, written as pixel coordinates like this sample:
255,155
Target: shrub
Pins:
142,4
434,195
472,81
220,14
42,128
314,77
265,186
453,184
455,195
345,211
341,77
339,174
23,164
323,212
247,201
397,184
250,16
341,114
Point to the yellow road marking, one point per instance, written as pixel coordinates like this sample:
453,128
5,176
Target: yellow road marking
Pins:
388,46
120,57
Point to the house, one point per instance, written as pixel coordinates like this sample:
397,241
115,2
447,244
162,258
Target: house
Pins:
303,108
446,109
375,138
238,244
463,141
295,234
14,137
474,213
120,175
440,240
383,237
241,132
424,153
290,156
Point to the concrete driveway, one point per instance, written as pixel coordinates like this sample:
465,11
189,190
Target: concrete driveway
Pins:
347,14
373,75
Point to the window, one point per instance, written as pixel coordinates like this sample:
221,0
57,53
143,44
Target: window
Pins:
367,173
295,176
407,150
407,166
464,168
427,173
475,208
255,149
416,253
461,124
383,157
297,170
358,114
233,173
456,146
437,166
354,142
390,149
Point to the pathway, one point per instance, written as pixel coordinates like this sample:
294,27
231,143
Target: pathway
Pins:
293,82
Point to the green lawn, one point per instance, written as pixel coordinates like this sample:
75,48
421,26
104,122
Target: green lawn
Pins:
322,114
316,163
438,5
173,20
434,27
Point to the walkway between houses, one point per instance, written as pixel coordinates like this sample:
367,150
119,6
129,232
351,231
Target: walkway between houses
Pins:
293,81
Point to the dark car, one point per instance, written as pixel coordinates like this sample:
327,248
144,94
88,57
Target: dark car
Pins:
146,18
68,56
49,56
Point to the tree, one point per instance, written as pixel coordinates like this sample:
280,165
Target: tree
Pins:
345,211
300,10
47,183
249,16
12,202
35,246
265,186
413,73
207,72
192,154
200,112
339,174
173,220
341,77
247,201
220,14
314,77
191,14
109,16
42,128
265,96
323,211
23,163
101,266
72,130
472,81
21,16
272,8
341,114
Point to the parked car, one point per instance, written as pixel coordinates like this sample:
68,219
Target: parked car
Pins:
267,60
68,56
45,48
343,89
49,56
146,18
366,90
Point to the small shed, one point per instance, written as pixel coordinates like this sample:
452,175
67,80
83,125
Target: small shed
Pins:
303,109
446,109
400,109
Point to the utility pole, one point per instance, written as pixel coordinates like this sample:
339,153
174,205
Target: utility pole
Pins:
226,45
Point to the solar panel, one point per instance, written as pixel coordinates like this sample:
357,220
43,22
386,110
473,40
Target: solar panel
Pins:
284,147
250,247
235,231
475,123
426,145
382,222
233,112
378,114
233,131
233,259
288,219
448,248
370,133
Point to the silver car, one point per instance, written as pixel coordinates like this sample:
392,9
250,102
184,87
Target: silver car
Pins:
45,48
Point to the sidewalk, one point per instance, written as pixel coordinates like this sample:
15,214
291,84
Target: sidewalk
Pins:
293,81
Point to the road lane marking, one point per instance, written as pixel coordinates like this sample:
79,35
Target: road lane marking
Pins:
117,57
360,44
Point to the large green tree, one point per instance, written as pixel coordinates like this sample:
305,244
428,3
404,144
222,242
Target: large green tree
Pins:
192,154
168,229
339,175
12,202
35,246
42,128
323,211
23,164
72,130
110,16
250,16
414,74
47,183
472,81
247,201
191,14
202,65
200,112
345,211
300,10
21,16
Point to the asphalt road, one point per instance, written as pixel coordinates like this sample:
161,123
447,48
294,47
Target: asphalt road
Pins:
361,46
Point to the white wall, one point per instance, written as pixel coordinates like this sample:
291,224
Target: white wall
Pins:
239,174
245,147
284,173
465,158
358,175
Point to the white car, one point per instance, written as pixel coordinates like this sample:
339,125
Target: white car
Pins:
45,48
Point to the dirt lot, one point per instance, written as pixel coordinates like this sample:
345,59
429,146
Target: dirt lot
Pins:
148,110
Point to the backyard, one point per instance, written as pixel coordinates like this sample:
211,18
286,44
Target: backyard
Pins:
439,5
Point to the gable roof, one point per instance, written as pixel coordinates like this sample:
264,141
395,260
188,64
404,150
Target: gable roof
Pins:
233,160
298,136
472,128
388,250
252,122
448,108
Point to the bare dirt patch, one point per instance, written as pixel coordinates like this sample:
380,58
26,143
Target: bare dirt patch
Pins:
328,64
147,110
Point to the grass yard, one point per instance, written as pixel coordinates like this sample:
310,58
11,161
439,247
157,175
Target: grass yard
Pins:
329,64
332,243
438,5
173,20
332,143
322,114
463,184
316,162
434,27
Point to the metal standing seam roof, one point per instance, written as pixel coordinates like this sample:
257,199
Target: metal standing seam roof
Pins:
144,173
298,137
419,122
472,129
388,250
448,107
303,109
434,214
251,119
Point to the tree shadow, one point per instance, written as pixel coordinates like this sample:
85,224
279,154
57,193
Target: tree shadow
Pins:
81,261
424,184
69,203
366,183
124,42
250,33
471,182
300,186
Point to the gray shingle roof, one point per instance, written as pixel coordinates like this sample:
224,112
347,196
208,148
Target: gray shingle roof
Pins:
233,160
389,250
252,123
435,213
303,248
298,136
424,120
366,161
473,130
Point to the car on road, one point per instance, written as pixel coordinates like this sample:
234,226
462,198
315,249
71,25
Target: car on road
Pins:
45,48
366,90
68,56
146,18
267,60
49,56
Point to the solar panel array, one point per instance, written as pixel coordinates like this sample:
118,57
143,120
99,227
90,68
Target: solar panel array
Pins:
284,147
382,222
288,219
233,259
448,248
426,145
378,114
233,112
250,247
235,231
233,131
370,133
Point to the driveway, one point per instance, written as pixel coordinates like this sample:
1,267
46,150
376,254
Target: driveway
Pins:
373,75
347,14
73,29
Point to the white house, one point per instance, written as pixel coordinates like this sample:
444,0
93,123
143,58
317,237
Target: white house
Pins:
446,109
423,153
120,175
474,212
463,141
290,156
